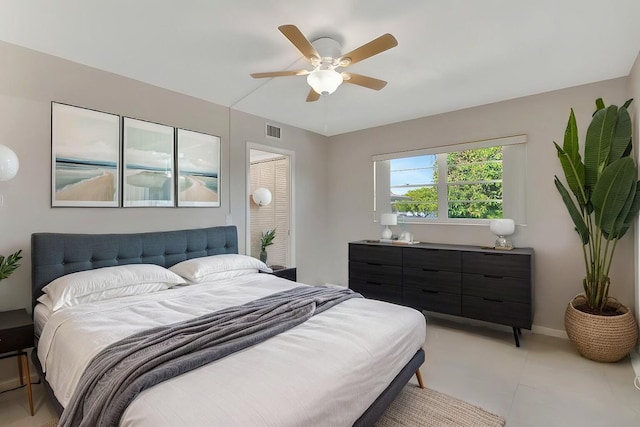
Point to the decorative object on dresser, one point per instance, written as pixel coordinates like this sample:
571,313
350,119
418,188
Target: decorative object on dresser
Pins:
503,228
388,219
483,284
16,337
604,205
9,163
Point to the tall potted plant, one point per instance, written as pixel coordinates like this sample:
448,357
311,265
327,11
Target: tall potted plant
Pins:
605,202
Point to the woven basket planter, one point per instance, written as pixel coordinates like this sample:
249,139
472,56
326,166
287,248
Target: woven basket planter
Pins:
601,338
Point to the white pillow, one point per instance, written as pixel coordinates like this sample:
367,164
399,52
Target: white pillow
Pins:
109,282
215,267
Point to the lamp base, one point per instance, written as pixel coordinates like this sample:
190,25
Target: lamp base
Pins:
387,234
503,242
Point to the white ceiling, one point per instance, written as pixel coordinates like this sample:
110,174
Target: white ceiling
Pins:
451,54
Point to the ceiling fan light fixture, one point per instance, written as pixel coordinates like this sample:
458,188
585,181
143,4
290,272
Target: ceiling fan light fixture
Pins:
324,82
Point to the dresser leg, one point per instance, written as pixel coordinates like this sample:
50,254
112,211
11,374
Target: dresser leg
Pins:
419,377
515,336
28,380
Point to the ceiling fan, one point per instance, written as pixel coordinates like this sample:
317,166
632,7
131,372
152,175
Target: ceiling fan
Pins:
324,55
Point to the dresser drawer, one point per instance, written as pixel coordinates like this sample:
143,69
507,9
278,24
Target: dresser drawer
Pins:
423,299
433,280
16,339
436,259
503,288
509,313
381,274
374,254
497,264
379,291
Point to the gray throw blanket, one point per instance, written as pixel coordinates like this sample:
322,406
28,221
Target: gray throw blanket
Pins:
125,368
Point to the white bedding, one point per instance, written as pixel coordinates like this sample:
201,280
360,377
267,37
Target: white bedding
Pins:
326,371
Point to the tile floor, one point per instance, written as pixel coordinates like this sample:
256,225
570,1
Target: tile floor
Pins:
544,383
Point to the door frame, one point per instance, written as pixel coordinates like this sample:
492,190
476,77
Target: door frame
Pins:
291,261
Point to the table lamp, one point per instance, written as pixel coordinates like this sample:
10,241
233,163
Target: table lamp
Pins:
503,228
388,219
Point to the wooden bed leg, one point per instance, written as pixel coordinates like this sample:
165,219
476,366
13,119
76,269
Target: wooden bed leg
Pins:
419,377
20,370
28,380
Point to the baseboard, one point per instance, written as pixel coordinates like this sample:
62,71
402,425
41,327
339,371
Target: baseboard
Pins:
542,330
535,329
635,360
14,383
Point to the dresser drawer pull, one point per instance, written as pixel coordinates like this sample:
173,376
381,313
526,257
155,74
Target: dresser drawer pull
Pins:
492,300
432,270
491,254
427,291
491,276
374,283
374,263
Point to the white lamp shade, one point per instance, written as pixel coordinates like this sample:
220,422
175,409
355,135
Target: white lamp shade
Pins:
324,82
9,163
388,219
502,227
262,196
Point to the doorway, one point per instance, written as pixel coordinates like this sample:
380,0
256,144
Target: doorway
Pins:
270,168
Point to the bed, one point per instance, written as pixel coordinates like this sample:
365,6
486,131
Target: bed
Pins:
343,366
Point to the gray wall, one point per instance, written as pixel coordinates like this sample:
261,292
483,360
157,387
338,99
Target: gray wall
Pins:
31,80
559,266
634,92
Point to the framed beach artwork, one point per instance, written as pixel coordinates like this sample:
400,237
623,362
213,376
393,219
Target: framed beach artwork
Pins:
198,157
85,157
148,164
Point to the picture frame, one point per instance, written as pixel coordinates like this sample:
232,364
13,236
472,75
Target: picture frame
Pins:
198,169
148,164
85,157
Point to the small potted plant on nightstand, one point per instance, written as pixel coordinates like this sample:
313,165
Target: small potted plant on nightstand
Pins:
9,264
266,240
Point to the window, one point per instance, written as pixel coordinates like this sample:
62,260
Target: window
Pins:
464,182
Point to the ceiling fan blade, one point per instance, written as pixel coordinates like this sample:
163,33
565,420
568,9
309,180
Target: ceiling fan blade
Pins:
374,47
299,41
365,81
280,74
313,96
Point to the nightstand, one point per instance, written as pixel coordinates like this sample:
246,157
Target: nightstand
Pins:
284,272
16,336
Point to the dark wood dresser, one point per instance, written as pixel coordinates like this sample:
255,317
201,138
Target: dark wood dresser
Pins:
484,284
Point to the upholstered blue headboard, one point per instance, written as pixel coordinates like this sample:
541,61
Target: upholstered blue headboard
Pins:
56,254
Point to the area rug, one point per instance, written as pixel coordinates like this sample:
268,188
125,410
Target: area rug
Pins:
416,407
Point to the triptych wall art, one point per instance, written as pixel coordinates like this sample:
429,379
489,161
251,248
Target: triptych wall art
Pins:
105,160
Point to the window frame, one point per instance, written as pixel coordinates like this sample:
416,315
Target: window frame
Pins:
513,180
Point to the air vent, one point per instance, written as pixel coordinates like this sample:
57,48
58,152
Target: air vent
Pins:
273,132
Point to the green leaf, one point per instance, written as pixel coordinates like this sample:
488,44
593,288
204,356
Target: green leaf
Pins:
10,264
632,214
571,145
573,173
621,142
599,105
598,143
626,104
611,193
581,226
